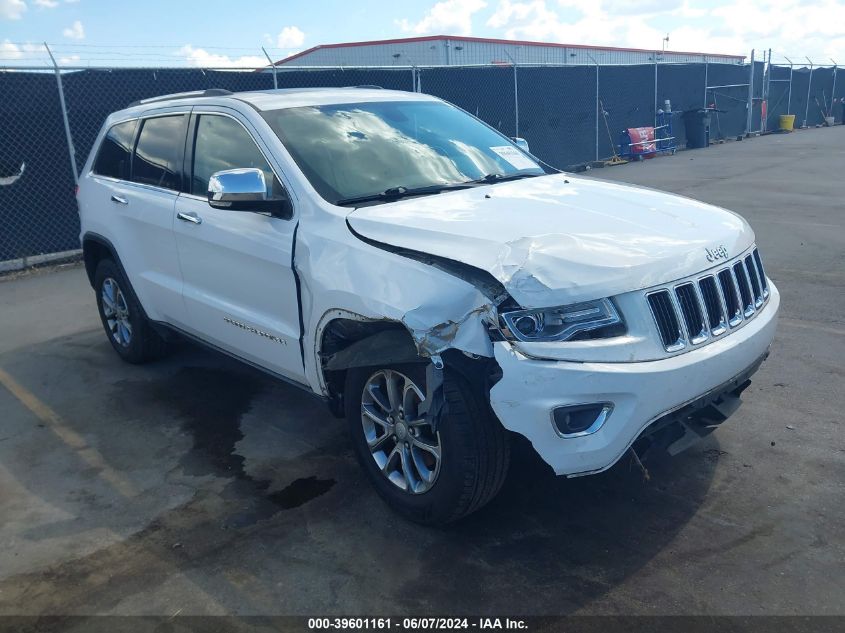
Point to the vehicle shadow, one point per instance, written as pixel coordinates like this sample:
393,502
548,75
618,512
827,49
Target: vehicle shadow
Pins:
550,545
274,516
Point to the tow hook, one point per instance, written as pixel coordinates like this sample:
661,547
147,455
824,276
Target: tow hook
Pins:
637,462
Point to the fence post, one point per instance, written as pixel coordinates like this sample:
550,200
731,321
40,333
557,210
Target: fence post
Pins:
789,96
515,101
598,99
593,59
515,95
273,66
706,64
655,89
70,148
750,114
767,85
809,85
833,91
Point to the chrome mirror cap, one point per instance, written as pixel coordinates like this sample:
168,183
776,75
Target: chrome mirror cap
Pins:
226,189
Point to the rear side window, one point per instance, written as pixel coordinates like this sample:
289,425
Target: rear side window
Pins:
115,151
223,143
158,151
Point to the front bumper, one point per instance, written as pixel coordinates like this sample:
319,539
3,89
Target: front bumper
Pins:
641,392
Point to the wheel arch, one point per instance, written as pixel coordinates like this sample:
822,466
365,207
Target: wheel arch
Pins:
345,340
95,248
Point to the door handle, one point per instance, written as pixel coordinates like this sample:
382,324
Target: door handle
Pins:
189,217
119,200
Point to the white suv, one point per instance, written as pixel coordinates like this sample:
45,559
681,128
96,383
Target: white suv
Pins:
427,277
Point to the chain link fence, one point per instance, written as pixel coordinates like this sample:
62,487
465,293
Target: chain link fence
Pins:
570,115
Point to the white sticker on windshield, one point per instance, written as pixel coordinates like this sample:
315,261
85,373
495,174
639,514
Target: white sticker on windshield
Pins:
515,157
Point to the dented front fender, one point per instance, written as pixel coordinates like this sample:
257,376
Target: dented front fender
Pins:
346,278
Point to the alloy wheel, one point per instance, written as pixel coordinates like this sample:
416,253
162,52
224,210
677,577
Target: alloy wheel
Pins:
400,439
116,312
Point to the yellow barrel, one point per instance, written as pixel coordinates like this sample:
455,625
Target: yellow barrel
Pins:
786,122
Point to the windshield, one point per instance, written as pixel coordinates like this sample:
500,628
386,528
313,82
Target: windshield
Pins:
359,150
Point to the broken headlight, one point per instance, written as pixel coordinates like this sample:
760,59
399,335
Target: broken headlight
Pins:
590,319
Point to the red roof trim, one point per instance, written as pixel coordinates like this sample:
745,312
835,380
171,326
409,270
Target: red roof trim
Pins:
487,40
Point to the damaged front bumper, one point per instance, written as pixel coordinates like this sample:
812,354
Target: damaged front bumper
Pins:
640,393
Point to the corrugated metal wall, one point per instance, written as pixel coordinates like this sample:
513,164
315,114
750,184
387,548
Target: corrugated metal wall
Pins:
458,52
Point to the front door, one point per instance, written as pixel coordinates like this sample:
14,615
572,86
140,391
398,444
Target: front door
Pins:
239,288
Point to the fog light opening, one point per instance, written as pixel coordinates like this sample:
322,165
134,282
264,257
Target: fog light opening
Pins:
580,419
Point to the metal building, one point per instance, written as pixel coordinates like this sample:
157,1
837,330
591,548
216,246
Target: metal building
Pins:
447,50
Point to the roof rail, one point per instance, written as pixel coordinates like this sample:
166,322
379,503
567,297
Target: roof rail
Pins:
211,92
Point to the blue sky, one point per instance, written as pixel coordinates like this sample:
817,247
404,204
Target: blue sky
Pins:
231,32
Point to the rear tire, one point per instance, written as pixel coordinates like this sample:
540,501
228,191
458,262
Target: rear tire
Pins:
129,331
473,446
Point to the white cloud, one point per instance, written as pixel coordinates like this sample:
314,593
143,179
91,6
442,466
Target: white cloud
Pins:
69,59
450,17
12,9
290,37
577,23
9,51
75,31
47,4
203,59
815,28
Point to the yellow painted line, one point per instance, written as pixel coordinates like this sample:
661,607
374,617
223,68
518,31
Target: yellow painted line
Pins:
71,438
251,589
812,325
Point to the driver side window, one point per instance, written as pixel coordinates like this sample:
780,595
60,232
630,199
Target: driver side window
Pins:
223,143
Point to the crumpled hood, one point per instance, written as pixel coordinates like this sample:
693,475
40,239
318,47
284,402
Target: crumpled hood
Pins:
561,239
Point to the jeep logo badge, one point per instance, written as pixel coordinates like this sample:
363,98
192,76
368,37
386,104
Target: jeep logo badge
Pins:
720,252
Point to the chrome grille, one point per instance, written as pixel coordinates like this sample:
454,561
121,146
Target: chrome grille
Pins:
716,315
694,311
690,304
762,272
667,320
730,295
741,277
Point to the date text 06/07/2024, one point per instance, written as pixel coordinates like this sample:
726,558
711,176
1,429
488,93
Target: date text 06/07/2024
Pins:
412,624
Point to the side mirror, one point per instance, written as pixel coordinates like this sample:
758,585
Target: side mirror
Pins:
245,190
521,143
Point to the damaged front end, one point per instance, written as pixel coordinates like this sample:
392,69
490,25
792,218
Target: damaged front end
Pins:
678,430
456,331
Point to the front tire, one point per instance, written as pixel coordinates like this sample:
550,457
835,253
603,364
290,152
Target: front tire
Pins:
127,328
430,476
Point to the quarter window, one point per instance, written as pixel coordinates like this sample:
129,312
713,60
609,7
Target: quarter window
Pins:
157,153
115,151
223,143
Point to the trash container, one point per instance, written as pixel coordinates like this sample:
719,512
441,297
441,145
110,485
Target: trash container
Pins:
697,124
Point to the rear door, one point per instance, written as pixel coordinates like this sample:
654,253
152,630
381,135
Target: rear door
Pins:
239,288
137,176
